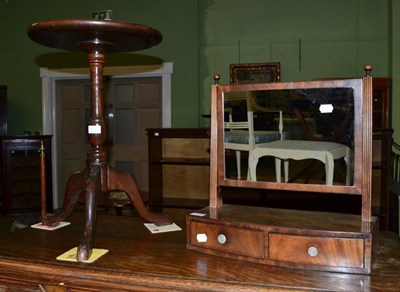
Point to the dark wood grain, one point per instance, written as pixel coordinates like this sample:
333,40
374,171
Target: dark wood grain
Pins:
140,261
96,38
283,237
301,239
73,34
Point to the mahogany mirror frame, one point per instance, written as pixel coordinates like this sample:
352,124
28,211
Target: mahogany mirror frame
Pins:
362,141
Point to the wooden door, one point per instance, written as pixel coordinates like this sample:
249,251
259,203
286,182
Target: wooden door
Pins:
131,106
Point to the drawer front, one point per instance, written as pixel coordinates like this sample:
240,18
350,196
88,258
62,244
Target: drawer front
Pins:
227,239
342,252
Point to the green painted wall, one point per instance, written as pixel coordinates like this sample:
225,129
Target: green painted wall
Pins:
310,38
394,64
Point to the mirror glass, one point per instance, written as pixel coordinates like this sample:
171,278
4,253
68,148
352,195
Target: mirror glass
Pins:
290,136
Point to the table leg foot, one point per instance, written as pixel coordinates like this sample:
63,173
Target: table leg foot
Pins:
75,186
124,181
93,189
84,252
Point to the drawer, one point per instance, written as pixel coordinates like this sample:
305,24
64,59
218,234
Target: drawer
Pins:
227,239
340,252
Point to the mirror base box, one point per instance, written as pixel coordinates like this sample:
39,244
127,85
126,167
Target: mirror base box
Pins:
322,241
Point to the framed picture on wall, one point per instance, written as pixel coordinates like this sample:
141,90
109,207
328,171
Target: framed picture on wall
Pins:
255,73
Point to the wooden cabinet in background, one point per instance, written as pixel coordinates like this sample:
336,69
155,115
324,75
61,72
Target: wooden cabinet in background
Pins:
179,167
381,99
381,163
381,149
20,174
381,108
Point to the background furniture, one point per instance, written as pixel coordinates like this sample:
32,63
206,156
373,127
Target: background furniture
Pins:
140,261
395,189
381,178
381,149
382,102
179,167
20,174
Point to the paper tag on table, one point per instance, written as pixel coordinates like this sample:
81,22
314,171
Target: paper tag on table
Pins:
40,225
70,255
160,229
197,214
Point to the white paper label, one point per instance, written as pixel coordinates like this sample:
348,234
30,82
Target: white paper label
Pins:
326,108
201,237
94,129
159,229
197,214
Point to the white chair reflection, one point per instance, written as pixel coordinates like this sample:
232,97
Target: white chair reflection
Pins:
240,135
326,152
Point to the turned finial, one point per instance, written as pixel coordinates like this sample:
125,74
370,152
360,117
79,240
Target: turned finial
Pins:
367,69
217,77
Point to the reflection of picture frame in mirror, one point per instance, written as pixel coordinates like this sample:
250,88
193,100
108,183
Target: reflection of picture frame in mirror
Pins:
255,73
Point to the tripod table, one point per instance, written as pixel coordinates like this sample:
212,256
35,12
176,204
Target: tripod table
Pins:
96,38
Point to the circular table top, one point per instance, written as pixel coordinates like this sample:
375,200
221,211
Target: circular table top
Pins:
73,34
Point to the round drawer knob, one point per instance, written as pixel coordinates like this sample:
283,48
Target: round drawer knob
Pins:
312,251
221,238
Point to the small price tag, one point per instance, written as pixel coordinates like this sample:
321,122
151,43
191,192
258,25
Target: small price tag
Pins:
160,229
197,214
94,129
50,228
326,108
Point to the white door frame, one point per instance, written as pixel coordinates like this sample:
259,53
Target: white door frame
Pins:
49,78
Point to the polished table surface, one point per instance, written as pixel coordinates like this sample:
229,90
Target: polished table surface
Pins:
140,261
72,34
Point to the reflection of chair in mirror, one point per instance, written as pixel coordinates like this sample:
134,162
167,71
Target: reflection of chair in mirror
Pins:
240,135
326,152
294,128
335,129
